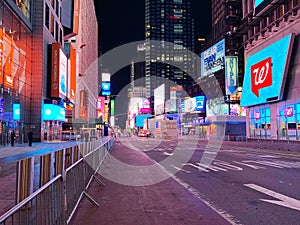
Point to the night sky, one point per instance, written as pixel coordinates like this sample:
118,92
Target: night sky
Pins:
121,22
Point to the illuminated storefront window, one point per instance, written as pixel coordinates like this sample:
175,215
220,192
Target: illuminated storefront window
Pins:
15,70
260,123
289,121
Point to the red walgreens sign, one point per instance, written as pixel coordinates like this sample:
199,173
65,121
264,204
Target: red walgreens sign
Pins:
261,75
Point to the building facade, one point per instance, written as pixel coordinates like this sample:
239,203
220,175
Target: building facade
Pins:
35,65
16,77
271,84
168,21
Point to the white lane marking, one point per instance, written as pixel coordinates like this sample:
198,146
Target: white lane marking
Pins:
284,200
227,165
180,169
249,165
211,167
197,167
265,163
228,217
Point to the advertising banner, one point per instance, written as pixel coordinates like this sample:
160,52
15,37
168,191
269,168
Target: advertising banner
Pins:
231,74
58,72
100,107
159,99
265,73
105,89
212,59
16,112
72,78
200,104
54,112
216,107
112,107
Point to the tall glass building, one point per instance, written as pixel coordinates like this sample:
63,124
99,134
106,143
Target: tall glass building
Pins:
168,21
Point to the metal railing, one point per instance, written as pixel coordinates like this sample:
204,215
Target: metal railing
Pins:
56,201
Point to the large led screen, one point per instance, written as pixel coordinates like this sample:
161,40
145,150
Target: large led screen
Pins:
139,120
212,59
54,112
265,73
159,99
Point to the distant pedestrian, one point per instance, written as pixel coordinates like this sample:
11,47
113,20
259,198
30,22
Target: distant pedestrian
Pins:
12,138
30,137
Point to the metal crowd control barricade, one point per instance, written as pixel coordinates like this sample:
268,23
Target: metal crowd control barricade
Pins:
56,201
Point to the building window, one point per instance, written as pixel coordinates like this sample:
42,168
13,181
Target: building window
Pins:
47,15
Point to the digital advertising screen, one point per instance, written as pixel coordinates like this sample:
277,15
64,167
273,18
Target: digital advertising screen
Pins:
200,104
139,120
106,89
16,112
216,107
159,99
54,112
265,73
212,59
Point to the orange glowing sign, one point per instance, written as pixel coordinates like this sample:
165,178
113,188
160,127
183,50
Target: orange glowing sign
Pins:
72,74
10,59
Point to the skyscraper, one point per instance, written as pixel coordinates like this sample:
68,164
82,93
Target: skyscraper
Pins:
168,21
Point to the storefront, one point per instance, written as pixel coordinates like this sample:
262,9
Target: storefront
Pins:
271,89
53,117
15,72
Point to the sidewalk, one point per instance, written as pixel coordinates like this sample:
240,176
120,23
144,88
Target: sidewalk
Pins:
163,203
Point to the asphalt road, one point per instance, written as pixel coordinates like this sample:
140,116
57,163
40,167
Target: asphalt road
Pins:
245,186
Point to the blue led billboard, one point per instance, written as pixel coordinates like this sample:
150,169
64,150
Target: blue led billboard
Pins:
212,59
16,111
139,120
265,73
105,88
200,103
54,112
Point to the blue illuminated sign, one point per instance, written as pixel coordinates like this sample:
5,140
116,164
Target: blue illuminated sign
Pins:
106,89
200,103
231,74
265,73
139,120
54,112
16,111
212,59
257,3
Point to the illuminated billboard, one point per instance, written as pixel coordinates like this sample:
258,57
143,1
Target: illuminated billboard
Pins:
159,100
217,107
100,107
105,88
139,120
58,72
212,59
265,73
106,77
196,104
231,74
16,112
54,112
